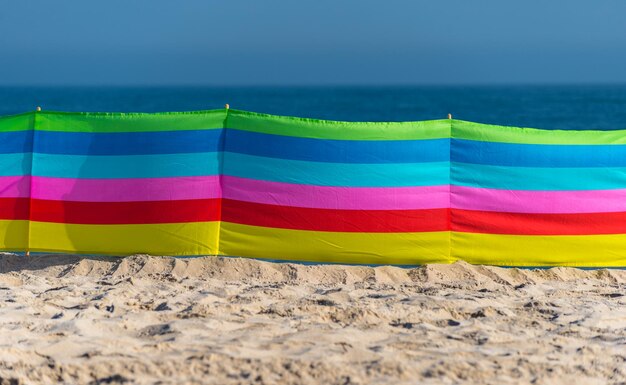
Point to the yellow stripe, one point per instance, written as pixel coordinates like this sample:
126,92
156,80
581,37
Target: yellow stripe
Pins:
316,246
196,238
13,235
540,250
320,246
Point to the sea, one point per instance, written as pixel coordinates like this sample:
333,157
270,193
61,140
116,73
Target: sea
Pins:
566,107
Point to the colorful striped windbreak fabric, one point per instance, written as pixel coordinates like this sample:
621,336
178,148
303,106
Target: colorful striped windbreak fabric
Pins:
237,183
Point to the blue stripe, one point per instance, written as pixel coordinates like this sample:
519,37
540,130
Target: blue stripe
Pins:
535,178
337,151
14,142
538,155
243,142
128,166
336,174
128,143
15,164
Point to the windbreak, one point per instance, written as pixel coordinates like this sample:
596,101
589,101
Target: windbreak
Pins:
237,183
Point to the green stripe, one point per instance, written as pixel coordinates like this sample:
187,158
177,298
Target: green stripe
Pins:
328,129
21,122
301,127
101,122
504,134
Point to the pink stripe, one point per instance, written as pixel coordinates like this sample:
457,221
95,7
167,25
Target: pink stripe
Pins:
126,190
14,186
152,189
348,198
548,202
285,194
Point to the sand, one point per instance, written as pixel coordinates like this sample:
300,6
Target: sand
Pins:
145,320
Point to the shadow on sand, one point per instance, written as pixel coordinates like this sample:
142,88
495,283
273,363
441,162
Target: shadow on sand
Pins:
10,262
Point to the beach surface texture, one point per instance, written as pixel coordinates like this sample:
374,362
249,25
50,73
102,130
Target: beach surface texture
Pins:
145,320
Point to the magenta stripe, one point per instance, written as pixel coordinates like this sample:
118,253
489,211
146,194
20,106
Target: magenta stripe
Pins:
14,186
548,202
347,198
126,190
285,194
150,189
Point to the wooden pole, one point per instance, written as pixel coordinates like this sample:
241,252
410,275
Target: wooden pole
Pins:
38,109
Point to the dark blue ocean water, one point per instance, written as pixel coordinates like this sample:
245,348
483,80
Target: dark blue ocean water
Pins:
551,107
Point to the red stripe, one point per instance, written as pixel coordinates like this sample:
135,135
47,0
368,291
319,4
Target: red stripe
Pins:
14,208
538,224
257,214
175,211
199,210
367,221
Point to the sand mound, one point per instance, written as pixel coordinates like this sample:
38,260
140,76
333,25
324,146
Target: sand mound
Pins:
225,320
243,270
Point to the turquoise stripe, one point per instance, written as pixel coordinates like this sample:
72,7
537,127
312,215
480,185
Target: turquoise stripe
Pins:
315,173
15,164
126,166
244,166
336,174
538,178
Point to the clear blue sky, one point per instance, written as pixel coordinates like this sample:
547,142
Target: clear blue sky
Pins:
309,42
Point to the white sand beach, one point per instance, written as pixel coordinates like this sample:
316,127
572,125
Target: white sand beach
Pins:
145,320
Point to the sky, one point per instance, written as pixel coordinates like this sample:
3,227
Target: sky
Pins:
311,42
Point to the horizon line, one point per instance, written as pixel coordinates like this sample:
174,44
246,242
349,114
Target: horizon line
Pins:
322,85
